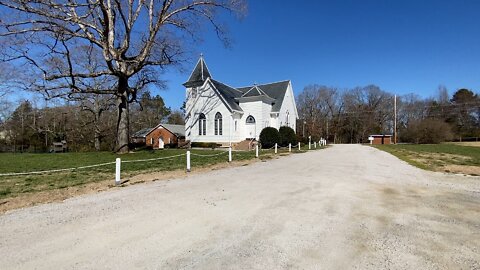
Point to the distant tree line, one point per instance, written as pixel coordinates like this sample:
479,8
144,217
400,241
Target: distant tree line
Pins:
86,124
351,115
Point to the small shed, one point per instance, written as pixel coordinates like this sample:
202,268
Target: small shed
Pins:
380,139
165,134
59,147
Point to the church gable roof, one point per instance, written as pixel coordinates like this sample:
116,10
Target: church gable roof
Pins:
272,93
229,94
254,92
275,90
199,75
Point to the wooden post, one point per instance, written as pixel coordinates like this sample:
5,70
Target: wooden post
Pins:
275,148
289,147
315,145
118,163
299,146
230,154
188,160
256,150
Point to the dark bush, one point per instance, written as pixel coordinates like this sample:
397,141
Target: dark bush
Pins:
303,140
269,137
171,145
427,131
205,145
287,135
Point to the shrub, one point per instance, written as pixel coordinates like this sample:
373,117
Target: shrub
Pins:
171,145
427,131
303,140
269,137
287,135
205,145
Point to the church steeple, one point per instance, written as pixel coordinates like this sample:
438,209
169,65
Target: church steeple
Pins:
199,75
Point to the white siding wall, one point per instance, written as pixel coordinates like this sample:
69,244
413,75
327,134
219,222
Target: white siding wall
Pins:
274,121
237,135
256,109
266,109
289,106
209,104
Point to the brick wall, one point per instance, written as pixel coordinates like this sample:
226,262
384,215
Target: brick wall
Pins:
378,140
152,138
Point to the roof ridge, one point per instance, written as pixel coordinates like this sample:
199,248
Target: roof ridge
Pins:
248,86
258,89
227,85
253,87
199,73
261,90
206,67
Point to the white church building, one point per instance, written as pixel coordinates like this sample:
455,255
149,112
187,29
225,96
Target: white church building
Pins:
216,112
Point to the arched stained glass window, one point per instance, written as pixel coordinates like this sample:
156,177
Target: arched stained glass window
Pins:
218,124
202,124
250,120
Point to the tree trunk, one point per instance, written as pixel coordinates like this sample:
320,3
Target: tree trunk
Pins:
97,140
97,135
123,137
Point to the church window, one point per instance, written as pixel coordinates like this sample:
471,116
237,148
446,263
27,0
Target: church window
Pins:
250,120
218,124
194,92
202,124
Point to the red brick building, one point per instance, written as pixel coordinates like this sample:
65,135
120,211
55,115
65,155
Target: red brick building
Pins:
381,139
161,136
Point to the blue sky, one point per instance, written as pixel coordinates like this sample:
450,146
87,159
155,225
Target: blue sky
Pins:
401,46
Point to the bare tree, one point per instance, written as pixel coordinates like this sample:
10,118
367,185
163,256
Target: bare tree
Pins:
135,39
176,118
97,105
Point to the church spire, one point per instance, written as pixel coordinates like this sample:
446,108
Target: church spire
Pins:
199,75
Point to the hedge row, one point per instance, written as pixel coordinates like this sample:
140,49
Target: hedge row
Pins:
271,136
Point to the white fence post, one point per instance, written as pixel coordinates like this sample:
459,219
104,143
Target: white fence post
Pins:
309,145
299,146
118,163
188,160
315,144
290,147
275,148
230,154
256,150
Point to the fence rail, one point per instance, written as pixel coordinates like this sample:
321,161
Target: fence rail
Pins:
58,170
119,161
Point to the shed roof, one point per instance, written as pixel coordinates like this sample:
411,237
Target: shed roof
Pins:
142,133
178,130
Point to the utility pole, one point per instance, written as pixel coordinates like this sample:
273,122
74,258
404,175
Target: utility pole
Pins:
327,130
303,133
395,119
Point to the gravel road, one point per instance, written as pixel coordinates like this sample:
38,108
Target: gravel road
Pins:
346,207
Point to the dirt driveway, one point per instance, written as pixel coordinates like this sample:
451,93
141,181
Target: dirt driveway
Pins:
346,207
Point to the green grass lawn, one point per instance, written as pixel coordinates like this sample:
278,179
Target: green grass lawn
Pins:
434,156
11,186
